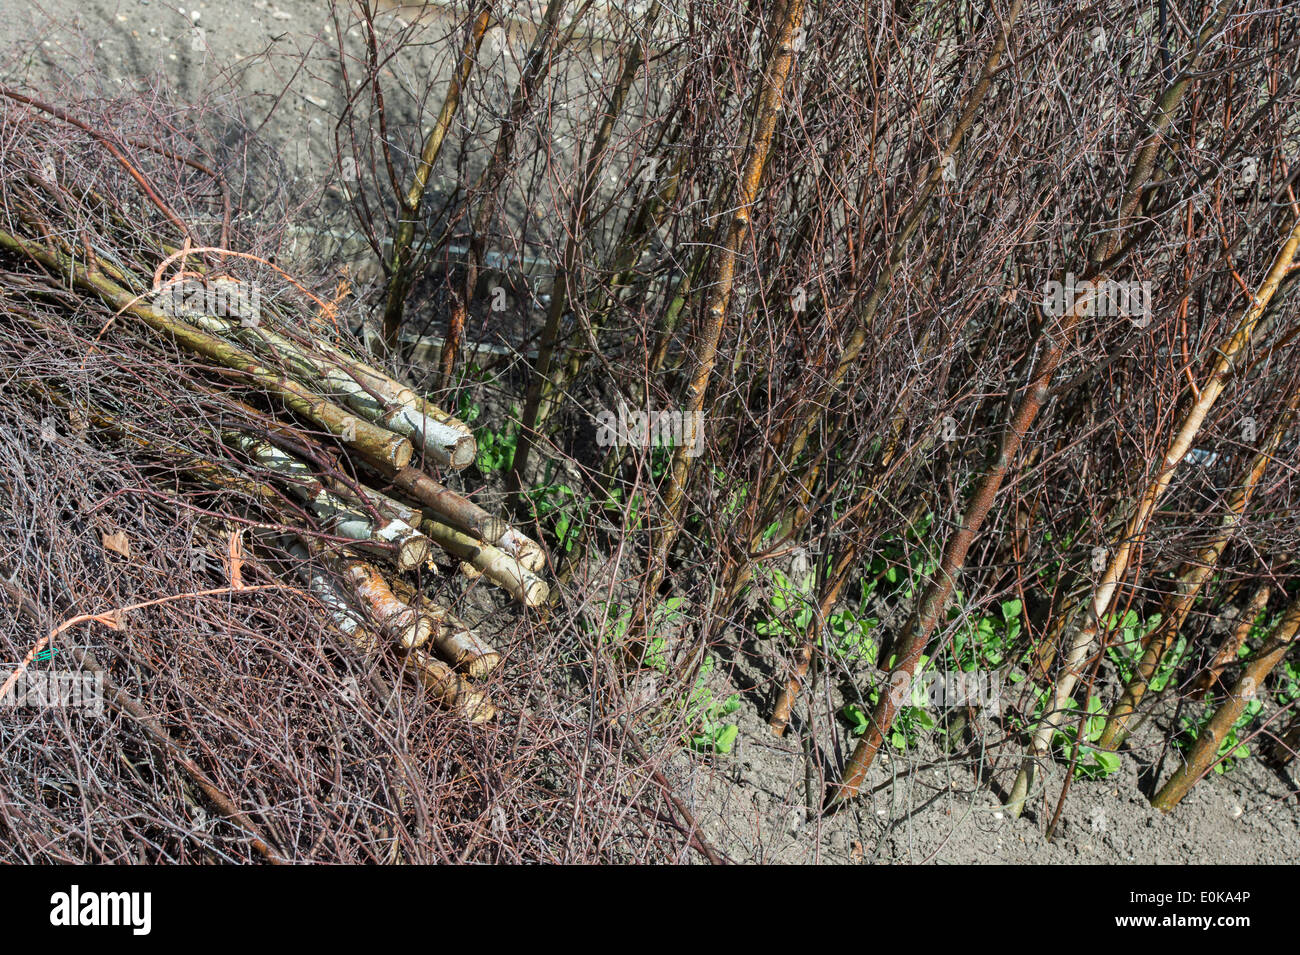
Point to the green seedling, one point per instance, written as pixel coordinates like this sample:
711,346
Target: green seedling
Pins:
790,608
987,644
851,633
1125,650
909,725
708,730
496,449
714,735
1092,763
561,504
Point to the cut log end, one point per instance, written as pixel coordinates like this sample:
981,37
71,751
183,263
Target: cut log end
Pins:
420,631
528,552
400,454
447,440
534,591
481,665
476,707
462,453
461,647
412,553
450,688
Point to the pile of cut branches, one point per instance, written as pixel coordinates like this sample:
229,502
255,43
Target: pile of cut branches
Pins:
236,381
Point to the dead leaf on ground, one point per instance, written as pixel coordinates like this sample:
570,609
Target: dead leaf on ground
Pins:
118,543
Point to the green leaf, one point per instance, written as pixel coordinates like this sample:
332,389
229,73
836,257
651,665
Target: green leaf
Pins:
857,716
655,657
725,738
1108,762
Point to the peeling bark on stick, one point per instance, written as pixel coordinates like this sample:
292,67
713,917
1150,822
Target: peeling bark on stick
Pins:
374,397
447,687
450,688
453,639
504,571
460,646
402,624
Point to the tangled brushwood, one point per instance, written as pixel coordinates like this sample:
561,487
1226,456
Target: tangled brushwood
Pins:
219,511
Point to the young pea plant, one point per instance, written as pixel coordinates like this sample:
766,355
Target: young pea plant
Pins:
851,631
618,617
909,725
708,731
988,643
561,504
496,449
1076,737
1076,740
790,608
738,494
1126,650
628,512
1286,689
1288,683
907,729
712,735
906,562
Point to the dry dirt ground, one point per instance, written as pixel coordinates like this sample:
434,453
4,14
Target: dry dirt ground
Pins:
751,804
924,807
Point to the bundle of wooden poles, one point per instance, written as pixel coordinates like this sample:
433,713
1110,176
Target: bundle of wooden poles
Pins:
333,454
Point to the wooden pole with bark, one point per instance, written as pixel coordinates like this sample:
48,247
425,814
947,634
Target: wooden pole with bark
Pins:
1079,639
1056,336
769,104
1204,752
